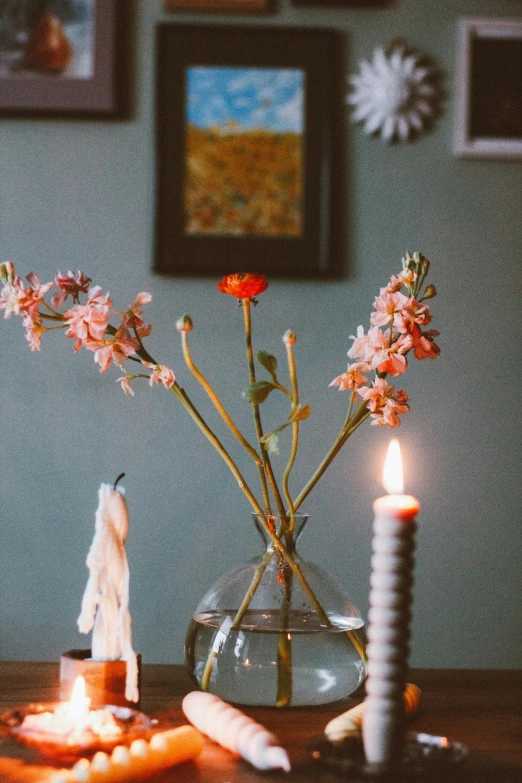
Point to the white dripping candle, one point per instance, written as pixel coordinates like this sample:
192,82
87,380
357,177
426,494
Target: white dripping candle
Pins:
105,604
389,630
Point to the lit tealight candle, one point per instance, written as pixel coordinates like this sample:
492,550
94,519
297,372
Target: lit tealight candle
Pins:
72,722
390,599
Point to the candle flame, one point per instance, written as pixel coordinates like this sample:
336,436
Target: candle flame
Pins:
79,702
392,477
78,691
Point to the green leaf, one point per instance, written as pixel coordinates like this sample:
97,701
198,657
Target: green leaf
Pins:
300,413
258,392
269,362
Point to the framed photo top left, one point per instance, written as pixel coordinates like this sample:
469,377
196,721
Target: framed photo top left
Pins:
59,57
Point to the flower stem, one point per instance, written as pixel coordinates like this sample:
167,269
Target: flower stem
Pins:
295,433
215,399
284,656
349,426
288,557
255,407
52,317
258,575
284,646
203,426
52,310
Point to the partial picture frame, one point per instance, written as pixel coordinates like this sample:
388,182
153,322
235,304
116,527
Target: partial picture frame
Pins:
221,6
249,159
60,58
488,89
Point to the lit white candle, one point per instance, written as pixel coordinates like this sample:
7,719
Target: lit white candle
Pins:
389,630
71,723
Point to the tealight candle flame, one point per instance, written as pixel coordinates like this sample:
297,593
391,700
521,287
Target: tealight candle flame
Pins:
78,691
392,477
79,703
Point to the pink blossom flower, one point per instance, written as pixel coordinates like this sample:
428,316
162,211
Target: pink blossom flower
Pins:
407,278
383,406
17,299
125,384
389,358
132,316
89,321
33,330
412,313
376,349
352,378
360,345
34,293
392,409
161,374
115,349
376,394
10,298
424,346
395,284
70,285
387,307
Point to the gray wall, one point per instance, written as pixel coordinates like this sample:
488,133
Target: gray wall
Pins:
81,195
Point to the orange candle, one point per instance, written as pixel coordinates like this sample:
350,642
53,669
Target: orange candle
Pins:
140,761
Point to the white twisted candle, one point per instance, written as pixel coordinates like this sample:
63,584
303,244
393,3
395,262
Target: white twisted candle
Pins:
235,730
388,633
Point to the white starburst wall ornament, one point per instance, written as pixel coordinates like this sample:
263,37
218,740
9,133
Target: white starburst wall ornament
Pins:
394,94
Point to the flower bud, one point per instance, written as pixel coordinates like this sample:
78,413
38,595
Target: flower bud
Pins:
7,273
430,292
184,324
289,337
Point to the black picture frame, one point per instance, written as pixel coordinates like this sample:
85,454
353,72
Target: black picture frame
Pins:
37,92
315,251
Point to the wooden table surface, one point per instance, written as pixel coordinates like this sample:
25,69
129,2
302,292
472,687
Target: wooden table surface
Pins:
479,708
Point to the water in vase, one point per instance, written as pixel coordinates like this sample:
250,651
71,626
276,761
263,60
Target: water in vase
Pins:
326,661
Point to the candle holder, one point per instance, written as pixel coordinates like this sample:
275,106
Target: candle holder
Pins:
132,725
105,680
422,755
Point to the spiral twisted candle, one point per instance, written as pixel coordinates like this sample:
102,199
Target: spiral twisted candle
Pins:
389,630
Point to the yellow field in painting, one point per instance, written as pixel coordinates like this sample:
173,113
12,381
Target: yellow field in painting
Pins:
243,183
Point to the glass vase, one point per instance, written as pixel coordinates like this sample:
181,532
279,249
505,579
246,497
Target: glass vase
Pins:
277,630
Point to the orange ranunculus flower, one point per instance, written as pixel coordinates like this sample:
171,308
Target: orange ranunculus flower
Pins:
243,285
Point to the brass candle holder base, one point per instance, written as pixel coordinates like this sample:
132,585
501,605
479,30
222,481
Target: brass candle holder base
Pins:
423,755
104,680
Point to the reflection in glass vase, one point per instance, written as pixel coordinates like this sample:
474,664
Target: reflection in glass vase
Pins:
277,633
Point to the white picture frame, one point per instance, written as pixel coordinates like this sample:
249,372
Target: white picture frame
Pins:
488,94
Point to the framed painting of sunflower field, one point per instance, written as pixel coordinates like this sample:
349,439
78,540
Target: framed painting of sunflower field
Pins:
247,165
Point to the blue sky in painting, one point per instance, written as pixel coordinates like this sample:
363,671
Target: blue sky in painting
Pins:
270,98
